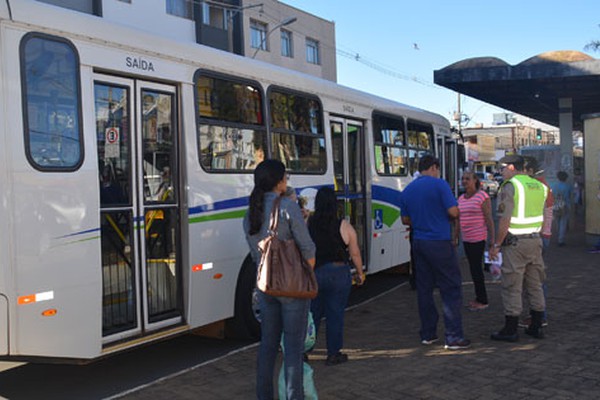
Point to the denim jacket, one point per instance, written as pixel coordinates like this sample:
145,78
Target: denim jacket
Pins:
291,225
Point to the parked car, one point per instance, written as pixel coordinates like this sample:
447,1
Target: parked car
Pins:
498,178
488,183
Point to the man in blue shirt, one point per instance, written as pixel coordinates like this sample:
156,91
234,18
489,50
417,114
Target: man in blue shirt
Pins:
563,192
429,207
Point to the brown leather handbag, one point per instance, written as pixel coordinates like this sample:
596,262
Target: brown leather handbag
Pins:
282,270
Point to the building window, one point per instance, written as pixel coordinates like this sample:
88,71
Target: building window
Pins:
205,13
181,8
286,43
214,16
258,35
312,51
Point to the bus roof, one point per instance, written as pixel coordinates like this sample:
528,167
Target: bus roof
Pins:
97,29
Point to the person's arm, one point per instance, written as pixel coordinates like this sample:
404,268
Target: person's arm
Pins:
299,231
486,207
505,209
349,236
453,214
503,225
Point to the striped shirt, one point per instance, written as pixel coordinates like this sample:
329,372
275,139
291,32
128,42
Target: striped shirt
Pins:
472,221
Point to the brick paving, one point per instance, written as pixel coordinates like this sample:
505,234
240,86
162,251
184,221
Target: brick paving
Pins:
387,360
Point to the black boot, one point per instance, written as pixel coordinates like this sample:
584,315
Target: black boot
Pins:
535,329
509,332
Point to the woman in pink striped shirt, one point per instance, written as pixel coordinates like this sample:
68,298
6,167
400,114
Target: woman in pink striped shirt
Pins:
476,225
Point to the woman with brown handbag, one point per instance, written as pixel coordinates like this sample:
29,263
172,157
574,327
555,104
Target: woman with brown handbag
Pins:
278,314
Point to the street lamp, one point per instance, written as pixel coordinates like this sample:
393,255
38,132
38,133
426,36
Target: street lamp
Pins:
285,22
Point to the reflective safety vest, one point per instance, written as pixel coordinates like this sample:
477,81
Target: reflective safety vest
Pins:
529,198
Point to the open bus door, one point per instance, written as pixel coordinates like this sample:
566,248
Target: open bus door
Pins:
449,156
348,146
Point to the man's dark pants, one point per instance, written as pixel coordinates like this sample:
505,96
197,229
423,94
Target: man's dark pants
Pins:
437,266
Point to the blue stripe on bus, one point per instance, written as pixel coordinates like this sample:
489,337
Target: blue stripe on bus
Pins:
220,205
79,233
235,203
380,193
385,194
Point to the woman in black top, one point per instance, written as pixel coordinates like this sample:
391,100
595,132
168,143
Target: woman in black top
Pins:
337,246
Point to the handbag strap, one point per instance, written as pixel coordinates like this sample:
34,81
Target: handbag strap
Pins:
274,220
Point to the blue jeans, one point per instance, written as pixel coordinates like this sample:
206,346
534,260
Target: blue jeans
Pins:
288,316
335,283
562,222
437,266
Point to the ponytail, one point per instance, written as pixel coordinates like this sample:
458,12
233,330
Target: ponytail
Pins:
257,206
266,176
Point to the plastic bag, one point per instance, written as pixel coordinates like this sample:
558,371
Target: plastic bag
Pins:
495,265
310,391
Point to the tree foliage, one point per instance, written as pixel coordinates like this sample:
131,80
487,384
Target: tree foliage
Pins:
594,45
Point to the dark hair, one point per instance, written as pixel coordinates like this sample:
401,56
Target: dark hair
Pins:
325,215
267,175
475,178
562,176
427,161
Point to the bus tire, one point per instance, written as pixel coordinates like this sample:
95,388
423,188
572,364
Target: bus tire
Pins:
245,323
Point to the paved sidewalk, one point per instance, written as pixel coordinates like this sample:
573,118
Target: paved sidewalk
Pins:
388,362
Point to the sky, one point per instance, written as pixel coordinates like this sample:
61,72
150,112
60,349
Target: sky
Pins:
404,41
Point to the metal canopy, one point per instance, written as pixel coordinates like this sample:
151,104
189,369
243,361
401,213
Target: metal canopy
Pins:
531,88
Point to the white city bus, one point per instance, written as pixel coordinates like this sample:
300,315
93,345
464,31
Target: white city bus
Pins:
126,165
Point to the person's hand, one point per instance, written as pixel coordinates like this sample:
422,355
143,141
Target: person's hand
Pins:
359,278
493,252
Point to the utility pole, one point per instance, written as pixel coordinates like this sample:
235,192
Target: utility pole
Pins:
459,117
231,13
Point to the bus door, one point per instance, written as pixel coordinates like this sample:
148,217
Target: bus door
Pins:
137,139
448,154
348,144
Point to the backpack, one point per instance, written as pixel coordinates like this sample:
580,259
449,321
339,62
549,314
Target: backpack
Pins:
560,206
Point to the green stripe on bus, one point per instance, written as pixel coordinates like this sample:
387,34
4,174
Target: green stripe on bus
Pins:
219,216
77,241
390,214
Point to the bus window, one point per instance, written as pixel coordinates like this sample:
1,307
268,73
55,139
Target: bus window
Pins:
390,151
231,131
420,142
51,103
114,160
297,129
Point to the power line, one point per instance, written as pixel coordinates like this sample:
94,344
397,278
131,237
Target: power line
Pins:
354,55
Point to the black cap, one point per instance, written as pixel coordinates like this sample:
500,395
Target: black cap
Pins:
512,159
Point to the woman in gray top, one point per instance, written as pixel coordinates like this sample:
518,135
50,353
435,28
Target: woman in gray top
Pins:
278,314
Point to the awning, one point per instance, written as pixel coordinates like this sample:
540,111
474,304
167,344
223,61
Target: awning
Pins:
532,87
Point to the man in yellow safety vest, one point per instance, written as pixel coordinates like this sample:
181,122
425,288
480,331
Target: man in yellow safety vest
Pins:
521,214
